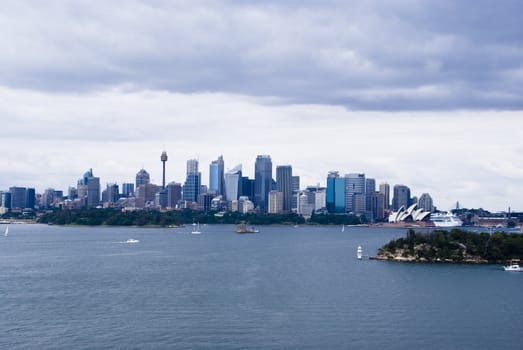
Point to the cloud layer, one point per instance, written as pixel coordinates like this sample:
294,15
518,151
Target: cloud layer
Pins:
377,55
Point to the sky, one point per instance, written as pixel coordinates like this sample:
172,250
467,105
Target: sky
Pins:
423,93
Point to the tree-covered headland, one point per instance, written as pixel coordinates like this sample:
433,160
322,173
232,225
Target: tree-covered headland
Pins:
458,246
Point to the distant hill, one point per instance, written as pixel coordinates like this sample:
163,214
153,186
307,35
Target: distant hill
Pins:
455,246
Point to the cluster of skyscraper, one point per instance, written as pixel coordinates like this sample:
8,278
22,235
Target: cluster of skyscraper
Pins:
227,190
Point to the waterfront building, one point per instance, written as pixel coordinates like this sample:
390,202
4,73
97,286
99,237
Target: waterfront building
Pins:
275,202
30,198
332,175
306,203
284,185
425,202
401,197
233,182
354,185
262,181
18,197
142,178
217,176
5,200
245,205
316,196
385,190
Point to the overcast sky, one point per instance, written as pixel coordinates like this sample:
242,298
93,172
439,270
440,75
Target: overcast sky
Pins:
423,93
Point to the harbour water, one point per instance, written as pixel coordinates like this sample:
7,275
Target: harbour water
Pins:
283,288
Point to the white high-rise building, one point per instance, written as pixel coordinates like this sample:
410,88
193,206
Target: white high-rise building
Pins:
275,202
232,182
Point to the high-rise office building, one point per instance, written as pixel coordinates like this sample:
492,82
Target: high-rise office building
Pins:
72,193
111,195
48,198
216,176
385,190
192,185
370,188
18,197
30,198
354,185
127,189
247,188
378,205
192,166
275,202
284,185
5,200
401,197
174,194
295,189
425,202
142,178
232,183
262,181
93,191
336,189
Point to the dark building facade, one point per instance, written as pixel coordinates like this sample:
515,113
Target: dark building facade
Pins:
262,181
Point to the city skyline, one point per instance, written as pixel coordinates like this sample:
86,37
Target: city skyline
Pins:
432,99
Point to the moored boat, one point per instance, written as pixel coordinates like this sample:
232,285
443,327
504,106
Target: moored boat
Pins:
359,253
513,266
242,228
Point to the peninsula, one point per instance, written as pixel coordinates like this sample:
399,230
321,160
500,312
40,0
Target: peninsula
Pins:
455,246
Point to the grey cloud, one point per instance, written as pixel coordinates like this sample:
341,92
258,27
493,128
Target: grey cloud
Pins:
376,55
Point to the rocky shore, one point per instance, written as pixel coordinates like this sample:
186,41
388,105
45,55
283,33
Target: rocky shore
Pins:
455,246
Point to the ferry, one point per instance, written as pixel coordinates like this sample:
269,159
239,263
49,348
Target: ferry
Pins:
445,220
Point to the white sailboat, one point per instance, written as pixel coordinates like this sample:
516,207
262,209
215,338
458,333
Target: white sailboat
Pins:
6,231
343,228
359,253
196,229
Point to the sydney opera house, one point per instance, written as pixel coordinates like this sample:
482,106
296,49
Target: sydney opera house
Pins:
410,214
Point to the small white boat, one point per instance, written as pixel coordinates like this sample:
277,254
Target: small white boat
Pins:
132,240
359,253
513,266
6,231
343,228
196,229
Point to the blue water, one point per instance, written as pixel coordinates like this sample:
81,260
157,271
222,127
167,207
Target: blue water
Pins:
284,288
